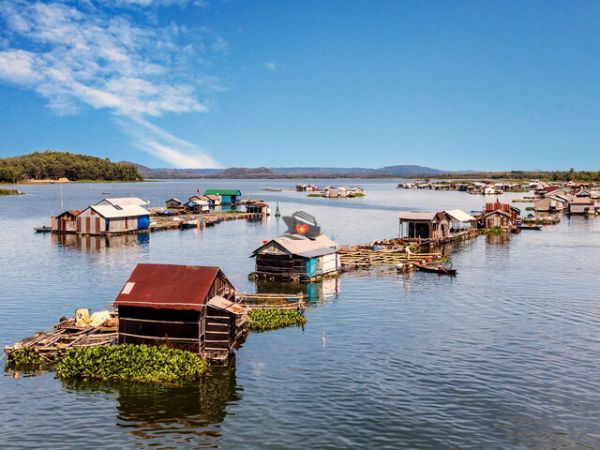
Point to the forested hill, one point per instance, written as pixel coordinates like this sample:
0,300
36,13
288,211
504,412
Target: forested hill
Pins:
54,165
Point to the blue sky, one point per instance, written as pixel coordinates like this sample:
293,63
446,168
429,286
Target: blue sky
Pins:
189,83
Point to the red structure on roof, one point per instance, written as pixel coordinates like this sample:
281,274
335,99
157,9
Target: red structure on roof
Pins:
170,286
497,206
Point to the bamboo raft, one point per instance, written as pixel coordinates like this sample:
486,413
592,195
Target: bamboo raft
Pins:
64,336
381,254
545,220
272,301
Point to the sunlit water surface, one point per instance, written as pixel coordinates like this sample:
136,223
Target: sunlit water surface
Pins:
505,355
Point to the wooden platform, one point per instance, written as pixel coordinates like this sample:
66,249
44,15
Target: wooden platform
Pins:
270,301
64,336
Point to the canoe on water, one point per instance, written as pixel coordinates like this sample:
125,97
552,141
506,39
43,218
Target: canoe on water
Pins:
440,270
530,227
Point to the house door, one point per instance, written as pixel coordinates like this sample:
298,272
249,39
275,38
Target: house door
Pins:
88,224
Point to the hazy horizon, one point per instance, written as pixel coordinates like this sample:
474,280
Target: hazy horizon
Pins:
188,83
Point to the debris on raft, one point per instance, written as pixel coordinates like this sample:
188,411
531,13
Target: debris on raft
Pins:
67,334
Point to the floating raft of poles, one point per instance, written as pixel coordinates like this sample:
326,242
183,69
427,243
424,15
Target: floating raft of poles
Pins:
272,301
64,336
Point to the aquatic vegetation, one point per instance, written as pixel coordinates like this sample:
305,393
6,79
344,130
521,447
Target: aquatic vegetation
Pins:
495,230
127,362
25,360
271,319
10,192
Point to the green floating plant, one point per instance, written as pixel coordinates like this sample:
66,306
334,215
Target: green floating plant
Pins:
128,362
271,319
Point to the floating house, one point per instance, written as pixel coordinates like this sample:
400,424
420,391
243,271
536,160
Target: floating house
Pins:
552,204
124,201
307,188
424,225
297,257
436,225
497,218
196,205
173,203
104,219
258,208
65,222
213,200
187,307
228,196
581,206
460,221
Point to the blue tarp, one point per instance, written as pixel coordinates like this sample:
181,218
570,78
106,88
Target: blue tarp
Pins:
143,222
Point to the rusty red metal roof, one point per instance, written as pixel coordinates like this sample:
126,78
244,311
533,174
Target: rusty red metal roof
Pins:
168,286
72,212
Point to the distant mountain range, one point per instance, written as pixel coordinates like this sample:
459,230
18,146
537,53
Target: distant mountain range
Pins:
290,172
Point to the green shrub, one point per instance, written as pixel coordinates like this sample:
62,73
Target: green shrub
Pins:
271,319
127,362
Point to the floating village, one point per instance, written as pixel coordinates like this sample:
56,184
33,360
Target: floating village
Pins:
199,310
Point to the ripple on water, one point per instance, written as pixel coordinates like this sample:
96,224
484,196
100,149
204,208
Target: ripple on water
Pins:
502,356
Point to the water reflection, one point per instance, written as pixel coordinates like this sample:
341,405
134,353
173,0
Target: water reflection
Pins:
325,290
99,243
497,239
165,416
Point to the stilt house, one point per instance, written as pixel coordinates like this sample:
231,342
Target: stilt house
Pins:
187,307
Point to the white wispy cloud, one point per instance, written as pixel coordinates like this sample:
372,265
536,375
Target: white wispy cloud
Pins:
164,145
86,54
271,65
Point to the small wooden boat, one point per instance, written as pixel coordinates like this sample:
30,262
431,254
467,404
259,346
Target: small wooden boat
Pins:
530,227
440,270
43,229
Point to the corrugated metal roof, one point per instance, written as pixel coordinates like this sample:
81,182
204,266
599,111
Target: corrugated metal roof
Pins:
123,201
226,305
72,212
117,211
497,211
168,286
417,215
460,215
222,192
297,244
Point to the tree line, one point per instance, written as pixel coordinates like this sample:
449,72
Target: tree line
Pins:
555,175
55,165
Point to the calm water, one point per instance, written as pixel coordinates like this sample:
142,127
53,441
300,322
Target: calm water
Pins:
505,355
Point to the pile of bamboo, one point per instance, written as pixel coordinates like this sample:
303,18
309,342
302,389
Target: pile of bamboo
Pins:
363,257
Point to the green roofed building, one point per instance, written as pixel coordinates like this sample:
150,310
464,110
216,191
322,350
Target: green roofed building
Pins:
228,196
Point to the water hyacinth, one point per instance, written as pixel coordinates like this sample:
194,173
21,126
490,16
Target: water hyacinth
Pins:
271,319
127,362
25,360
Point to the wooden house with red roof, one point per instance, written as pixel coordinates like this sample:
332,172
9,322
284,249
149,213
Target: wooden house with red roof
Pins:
65,222
187,307
499,215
